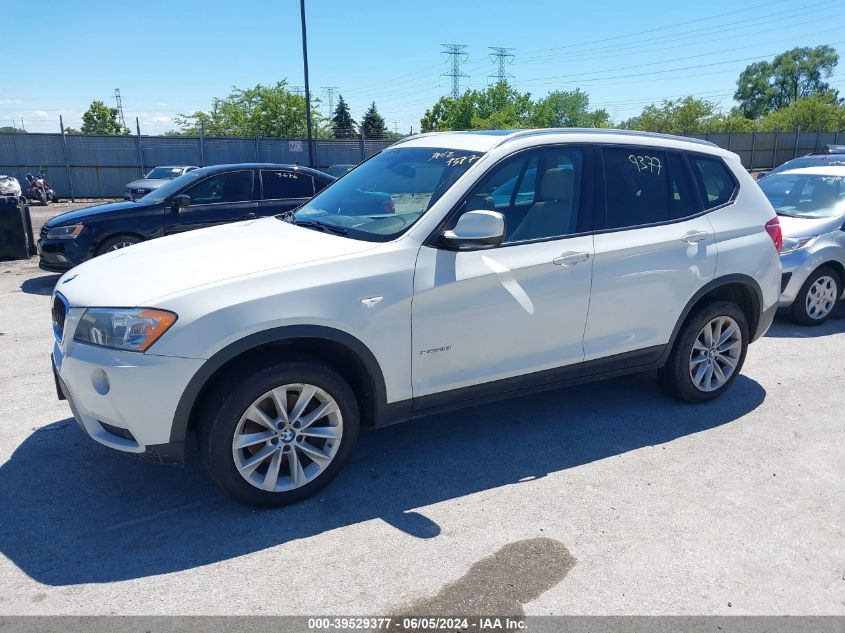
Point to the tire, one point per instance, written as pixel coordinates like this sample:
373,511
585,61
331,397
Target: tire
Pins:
246,475
42,198
817,297
681,375
117,242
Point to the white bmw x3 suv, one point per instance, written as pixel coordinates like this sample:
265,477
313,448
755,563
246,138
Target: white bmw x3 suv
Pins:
450,269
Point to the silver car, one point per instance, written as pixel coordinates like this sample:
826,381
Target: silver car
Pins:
154,179
810,202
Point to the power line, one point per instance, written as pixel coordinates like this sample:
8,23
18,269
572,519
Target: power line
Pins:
456,54
502,57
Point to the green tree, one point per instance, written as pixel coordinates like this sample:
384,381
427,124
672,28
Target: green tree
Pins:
6,129
101,119
373,123
567,109
343,125
496,108
764,87
265,110
688,116
817,112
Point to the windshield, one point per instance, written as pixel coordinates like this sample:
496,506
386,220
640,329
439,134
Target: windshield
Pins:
172,187
165,173
383,197
805,196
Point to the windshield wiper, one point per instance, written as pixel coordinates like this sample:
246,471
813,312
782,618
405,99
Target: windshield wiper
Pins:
316,224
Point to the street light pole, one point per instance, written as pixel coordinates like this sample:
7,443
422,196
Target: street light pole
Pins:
307,89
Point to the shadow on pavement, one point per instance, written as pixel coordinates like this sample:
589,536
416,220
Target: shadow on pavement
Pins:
75,512
784,328
42,285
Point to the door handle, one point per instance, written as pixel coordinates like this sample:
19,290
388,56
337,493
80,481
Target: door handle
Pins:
570,258
248,215
695,236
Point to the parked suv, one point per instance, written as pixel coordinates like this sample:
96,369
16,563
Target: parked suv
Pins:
414,284
203,197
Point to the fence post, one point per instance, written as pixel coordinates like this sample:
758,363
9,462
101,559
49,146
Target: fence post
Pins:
363,146
775,150
753,144
140,153
836,138
257,144
797,136
202,145
67,159
818,140
730,139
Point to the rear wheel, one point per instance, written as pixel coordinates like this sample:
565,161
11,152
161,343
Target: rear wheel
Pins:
817,297
280,433
708,353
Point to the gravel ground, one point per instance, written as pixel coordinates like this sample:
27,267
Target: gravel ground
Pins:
606,499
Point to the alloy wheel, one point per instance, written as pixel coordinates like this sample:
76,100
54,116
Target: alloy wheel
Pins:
715,353
118,246
287,437
821,297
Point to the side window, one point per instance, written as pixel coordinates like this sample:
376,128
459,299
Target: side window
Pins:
714,180
235,186
537,191
281,183
637,186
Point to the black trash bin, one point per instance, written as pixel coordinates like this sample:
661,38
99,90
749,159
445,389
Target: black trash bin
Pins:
16,238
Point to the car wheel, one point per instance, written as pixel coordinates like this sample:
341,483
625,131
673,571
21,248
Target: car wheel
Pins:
817,297
116,243
708,353
278,434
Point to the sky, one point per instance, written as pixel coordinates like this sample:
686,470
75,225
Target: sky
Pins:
173,57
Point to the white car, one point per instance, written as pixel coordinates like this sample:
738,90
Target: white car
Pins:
407,287
810,202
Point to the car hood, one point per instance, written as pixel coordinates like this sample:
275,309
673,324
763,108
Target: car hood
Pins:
144,273
805,227
147,183
90,213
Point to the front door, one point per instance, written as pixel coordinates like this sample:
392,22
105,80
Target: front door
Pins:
218,199
485,315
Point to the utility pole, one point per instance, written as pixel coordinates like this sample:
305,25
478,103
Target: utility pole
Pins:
297,90
307,90
396,127
119,103
456,55
330,90
503,57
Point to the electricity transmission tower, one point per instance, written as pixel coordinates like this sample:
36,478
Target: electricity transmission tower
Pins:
503,57
297,90
330,90
456,55
119,103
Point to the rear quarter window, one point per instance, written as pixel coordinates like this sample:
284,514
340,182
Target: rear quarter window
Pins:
715,181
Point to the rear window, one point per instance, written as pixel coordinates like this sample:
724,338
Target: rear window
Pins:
714,179
281,183
646,185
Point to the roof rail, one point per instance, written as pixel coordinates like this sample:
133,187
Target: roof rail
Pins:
594,130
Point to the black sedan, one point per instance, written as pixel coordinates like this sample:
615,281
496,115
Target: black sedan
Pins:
202,197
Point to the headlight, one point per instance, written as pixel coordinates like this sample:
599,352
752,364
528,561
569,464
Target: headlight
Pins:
131,329
64,232
792,244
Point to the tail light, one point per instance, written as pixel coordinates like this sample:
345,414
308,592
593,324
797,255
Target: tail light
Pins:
773,229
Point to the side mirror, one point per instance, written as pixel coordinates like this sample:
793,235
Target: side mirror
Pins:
180,202
476,229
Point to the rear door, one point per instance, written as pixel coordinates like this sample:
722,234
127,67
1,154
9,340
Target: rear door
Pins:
217,199
284,190
655,251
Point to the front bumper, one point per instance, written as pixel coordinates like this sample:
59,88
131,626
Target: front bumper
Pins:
124,400
59,255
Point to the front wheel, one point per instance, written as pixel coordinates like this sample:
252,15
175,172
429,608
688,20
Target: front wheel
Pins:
42,198
279,434
817,297
708,353
116,243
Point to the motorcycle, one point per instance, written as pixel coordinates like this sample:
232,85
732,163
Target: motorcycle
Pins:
40,189
10,187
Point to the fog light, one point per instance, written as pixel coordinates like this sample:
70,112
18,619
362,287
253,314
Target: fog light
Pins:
100,381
